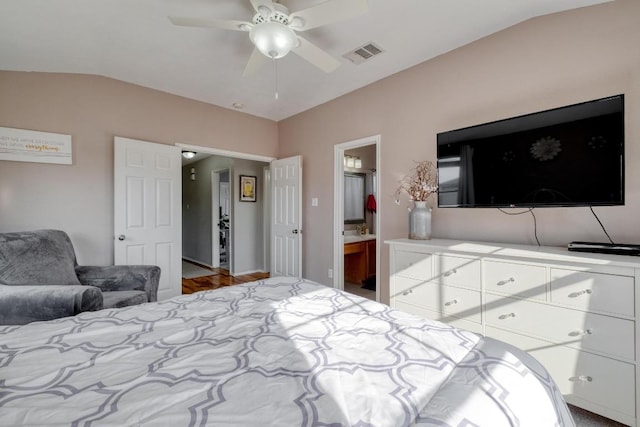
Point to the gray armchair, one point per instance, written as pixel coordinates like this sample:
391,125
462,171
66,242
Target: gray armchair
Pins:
40,279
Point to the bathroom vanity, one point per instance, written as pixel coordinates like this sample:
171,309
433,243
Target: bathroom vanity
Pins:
359,257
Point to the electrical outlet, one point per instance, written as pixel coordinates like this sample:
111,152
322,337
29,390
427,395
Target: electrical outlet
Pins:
314,201
330,273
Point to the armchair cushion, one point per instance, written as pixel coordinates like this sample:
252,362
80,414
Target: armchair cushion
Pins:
117,299
122,278
43,257
24,304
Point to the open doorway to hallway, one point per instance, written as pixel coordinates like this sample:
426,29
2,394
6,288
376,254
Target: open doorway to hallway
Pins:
223,236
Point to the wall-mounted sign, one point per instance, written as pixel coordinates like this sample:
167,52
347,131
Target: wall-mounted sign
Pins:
32,146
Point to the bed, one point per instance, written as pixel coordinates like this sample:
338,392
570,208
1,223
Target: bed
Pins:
280,351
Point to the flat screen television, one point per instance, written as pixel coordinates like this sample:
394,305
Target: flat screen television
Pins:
568,156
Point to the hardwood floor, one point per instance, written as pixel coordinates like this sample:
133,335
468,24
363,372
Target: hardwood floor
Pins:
219,277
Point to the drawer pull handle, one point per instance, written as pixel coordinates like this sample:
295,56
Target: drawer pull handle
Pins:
581,379
452,302
506,316
577,294
504,282
579,333
410,291
450,272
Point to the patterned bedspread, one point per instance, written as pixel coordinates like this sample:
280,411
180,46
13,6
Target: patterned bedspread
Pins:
281,351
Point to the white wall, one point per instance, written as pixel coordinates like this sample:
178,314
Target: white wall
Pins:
247,222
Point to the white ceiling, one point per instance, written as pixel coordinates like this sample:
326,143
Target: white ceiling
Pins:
133,41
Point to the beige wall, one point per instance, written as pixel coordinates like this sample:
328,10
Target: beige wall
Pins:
543,63
79,198
539,64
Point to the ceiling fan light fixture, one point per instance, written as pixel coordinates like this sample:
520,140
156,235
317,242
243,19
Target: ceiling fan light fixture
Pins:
273,39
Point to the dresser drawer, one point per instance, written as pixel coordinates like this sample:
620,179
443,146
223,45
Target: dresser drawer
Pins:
458,271
448,300
436,315
578,374
593,291
412,264
574,328
521,280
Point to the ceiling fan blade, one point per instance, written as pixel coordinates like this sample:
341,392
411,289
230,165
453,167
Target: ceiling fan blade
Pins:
255,62
327,13
211,23
316,56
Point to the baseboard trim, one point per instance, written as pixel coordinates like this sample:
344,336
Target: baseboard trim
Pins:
196,262
247,272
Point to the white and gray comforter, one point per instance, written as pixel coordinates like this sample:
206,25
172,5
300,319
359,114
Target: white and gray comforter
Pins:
281,351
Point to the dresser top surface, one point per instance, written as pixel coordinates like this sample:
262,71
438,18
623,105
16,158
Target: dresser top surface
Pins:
512,250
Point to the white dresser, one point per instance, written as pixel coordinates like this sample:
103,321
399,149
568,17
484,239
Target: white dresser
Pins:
575,312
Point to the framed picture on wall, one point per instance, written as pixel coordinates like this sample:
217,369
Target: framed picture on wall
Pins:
247,188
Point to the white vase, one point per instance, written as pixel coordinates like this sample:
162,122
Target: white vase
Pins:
420,221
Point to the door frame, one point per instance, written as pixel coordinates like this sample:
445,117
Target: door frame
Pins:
266,215
338,208
215,219
225,153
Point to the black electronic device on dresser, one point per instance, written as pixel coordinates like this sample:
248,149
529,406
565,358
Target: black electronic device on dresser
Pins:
605,248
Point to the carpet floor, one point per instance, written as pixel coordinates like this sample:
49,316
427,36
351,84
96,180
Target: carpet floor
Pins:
588,419
191,270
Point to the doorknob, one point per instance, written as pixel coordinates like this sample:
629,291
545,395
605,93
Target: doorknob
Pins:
121,237
295,231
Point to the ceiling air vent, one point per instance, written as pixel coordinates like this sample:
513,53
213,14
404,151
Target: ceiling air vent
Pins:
363,53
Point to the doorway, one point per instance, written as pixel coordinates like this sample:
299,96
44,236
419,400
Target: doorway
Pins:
219,225
220,219
356,263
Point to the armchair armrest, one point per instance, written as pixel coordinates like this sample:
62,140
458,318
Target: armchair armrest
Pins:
122,278
25,304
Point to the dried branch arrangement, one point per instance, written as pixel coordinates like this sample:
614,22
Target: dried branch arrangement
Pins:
421,183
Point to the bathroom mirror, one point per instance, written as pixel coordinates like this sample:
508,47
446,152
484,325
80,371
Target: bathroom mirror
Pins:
354,197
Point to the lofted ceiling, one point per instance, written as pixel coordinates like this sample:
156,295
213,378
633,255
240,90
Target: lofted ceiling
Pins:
134,41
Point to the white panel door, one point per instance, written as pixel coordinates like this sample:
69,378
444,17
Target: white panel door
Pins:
286,218
147,209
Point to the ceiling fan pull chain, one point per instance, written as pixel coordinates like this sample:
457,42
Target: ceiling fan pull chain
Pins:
275,64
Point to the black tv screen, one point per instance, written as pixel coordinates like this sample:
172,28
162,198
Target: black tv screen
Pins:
568,156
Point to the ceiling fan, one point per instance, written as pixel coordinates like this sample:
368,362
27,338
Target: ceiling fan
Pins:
273,30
